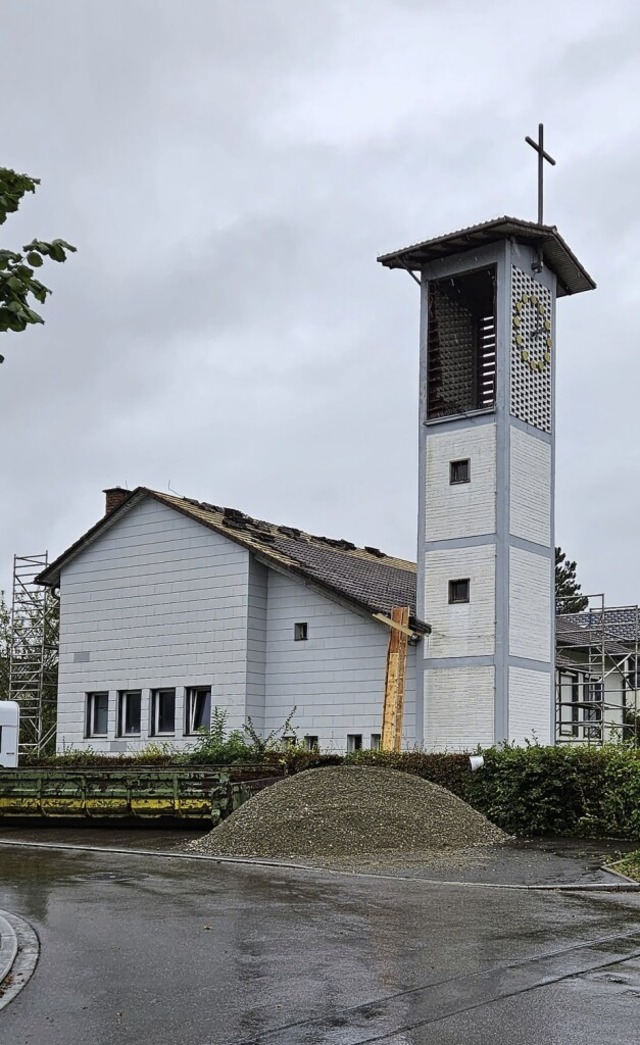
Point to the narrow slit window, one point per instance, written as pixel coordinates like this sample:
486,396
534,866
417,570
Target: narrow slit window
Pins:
354,742
301,631
459,591
163,712
198,709
129,713
97,715
376,742
311,743
460,472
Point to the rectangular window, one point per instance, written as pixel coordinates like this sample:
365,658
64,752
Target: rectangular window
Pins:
459,472
459,591
354,742
97,714
129,713
300,631
376,742
311,743
198,709
163,712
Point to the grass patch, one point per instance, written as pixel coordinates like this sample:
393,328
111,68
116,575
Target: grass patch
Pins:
629,865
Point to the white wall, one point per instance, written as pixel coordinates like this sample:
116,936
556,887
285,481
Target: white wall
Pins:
529,605
462,629
257,642
459,705
461,509
158,601
530,488
530,707
336,677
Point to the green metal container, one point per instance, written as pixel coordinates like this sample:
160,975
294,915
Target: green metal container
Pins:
150,793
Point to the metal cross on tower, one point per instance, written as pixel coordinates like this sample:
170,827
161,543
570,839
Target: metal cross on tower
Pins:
542,156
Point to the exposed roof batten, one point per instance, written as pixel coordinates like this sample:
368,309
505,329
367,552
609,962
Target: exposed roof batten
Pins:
573,278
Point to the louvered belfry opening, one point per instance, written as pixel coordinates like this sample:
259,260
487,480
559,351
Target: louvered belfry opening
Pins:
461,348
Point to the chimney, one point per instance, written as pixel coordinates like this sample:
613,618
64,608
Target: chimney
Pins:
114,497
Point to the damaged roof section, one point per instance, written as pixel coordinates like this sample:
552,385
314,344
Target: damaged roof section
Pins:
363,577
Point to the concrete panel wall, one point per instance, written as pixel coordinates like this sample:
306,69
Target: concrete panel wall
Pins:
336,677
530,488
257,642
459,708
464,509
463,629
530,696
529,605
159,601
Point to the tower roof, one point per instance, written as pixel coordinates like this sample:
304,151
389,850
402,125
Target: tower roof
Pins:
557,255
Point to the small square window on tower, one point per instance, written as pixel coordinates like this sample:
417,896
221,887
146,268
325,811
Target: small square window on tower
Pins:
301,631
459,591
459,472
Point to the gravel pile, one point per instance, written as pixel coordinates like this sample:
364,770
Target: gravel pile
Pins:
333,815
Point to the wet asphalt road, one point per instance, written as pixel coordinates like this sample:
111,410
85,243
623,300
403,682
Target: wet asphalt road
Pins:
157,951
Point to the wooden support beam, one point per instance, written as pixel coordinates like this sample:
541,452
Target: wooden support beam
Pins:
391,623
395,678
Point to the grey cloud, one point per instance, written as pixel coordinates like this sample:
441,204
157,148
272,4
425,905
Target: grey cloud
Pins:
229,173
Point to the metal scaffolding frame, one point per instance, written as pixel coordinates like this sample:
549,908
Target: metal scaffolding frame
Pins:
598,674
32,653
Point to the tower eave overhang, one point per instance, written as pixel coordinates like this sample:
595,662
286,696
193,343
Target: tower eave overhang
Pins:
572,277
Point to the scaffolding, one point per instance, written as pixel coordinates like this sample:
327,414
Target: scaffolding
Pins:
597,673
33,653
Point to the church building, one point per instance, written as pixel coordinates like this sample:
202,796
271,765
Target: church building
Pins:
171,607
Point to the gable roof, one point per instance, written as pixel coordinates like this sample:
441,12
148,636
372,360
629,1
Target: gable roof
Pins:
365,578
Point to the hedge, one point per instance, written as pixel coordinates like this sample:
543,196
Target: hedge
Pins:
581,791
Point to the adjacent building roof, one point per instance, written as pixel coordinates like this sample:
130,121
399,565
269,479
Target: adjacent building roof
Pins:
615,630
572,276
366,578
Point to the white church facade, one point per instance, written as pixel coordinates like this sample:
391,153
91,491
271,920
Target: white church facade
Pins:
171,607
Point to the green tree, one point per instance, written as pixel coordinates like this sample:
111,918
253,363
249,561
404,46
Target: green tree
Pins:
18,285
569,597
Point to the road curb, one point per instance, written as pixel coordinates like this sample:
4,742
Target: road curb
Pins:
19,953
8,947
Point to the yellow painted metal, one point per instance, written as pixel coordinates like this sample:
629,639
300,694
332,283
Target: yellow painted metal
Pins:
395,679
189,793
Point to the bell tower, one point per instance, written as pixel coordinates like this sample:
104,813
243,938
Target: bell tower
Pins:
486,478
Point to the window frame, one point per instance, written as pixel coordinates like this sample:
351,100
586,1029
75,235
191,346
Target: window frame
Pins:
123,699
457,601
354,742
311,742
462,461
190,693
154,712
301,631
90,730
377,746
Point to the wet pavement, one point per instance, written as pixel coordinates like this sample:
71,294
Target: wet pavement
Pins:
152,950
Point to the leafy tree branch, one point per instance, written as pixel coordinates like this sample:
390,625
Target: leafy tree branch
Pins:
19,288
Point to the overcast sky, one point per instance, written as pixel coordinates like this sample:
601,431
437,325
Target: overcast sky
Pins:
229,170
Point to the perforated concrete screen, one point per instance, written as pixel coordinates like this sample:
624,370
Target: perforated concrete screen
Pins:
531,350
